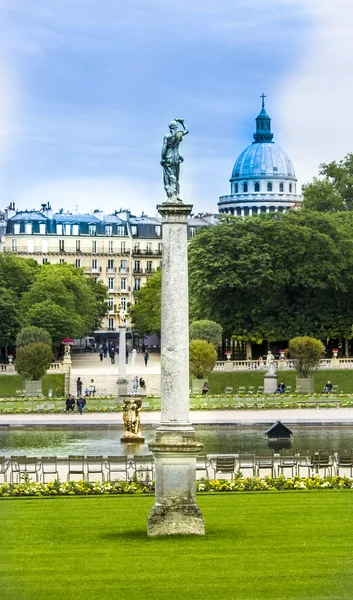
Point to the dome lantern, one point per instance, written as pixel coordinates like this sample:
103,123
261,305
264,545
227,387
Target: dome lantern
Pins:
263,125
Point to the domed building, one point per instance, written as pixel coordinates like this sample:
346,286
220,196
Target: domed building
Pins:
263,177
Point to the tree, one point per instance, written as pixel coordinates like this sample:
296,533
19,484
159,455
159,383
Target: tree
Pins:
146,313
210,331
10,318
334,192
32,335
306,352
16,273
33,360
60,321
202,358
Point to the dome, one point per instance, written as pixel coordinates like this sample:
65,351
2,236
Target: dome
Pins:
263,159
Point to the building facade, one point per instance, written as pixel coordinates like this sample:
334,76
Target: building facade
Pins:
121,250
263,177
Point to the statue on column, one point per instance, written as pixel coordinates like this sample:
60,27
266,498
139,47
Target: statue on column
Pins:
171,159
122,316
132,421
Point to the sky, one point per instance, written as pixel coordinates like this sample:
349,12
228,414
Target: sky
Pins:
88,89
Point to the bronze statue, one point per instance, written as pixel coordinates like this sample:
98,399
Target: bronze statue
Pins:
131,416
171,159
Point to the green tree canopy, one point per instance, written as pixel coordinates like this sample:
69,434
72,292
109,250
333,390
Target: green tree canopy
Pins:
210,331
306,352
202,358
146,313
334,191
33,360
16,273
10,317
32,335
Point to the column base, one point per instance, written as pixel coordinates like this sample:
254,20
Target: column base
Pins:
175,520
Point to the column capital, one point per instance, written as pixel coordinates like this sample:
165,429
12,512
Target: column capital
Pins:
174,212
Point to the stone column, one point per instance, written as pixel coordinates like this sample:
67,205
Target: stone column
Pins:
175,447
122,381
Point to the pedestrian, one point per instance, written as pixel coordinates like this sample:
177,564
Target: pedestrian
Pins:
142,383
70,403
81,402
280,388
205,388
79,386
92,388
135,385
127,354
146,357
105,350
328,387
143,348
112,355
101,352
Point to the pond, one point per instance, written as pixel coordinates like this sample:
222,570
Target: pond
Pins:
216,439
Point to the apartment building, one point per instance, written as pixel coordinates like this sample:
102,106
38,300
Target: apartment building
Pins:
120,249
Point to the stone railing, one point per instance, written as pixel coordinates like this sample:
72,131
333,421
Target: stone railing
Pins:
55,367
282,364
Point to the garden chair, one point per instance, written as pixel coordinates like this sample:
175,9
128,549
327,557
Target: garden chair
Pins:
287,461
49,467
264,460
246,461
146,404
241,389
76,466
288,389
322,460
251,389
117,464
228,390
305,461
28,405
24,465
202,464
334,389
95,467
143,465
4,465
298,389
345,460
225,465
260,389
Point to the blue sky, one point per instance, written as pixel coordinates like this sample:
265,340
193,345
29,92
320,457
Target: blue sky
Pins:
88,90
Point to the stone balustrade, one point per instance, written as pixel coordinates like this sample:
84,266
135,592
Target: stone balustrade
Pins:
55,367
283,364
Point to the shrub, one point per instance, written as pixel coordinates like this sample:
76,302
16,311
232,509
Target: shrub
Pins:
203,358
33,335
306,353
210,331
33,360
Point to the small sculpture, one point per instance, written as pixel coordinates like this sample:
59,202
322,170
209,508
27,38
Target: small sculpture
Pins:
131,417
171,159
122,316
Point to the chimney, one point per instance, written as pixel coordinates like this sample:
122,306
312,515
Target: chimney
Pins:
47,210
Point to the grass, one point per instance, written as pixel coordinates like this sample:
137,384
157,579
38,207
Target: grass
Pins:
10,383
219,381
290,545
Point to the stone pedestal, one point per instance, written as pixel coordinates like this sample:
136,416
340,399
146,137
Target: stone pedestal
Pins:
33,388
335,362
175,447
122,379
270,383
10,369
132,438
67,363
281,365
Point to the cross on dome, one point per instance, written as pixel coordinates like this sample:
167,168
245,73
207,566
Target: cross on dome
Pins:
263,99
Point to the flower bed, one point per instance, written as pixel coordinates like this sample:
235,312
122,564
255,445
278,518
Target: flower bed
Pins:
108,488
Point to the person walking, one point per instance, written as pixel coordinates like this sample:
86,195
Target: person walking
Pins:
70,403
105,350
81,402
146,357
101,352
112,355
79,386
92,388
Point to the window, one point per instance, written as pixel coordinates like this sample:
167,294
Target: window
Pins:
45,261
111,303
290,188
123,303
137,266
92,229
94,246
158,230
133,230
269,187
110,323
123,281
28,228
94,264
121,230
281,187
110,264
148,247
245,187
14,245
123,247
59,229
149,266
110,247
45,246
42,228
78,245
192,232
123,266
67,229
61,246
137,247
61,260
16,228
30,246
257,187
75,230
236,188
110,284
109,230
160,247
78,263
137,284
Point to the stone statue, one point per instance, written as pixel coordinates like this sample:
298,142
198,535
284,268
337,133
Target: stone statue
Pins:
171,159
122,316
131,417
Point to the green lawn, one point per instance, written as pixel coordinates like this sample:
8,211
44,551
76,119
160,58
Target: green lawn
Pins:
10,383
262,546
218,381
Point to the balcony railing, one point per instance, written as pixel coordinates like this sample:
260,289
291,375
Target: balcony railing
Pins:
246,365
